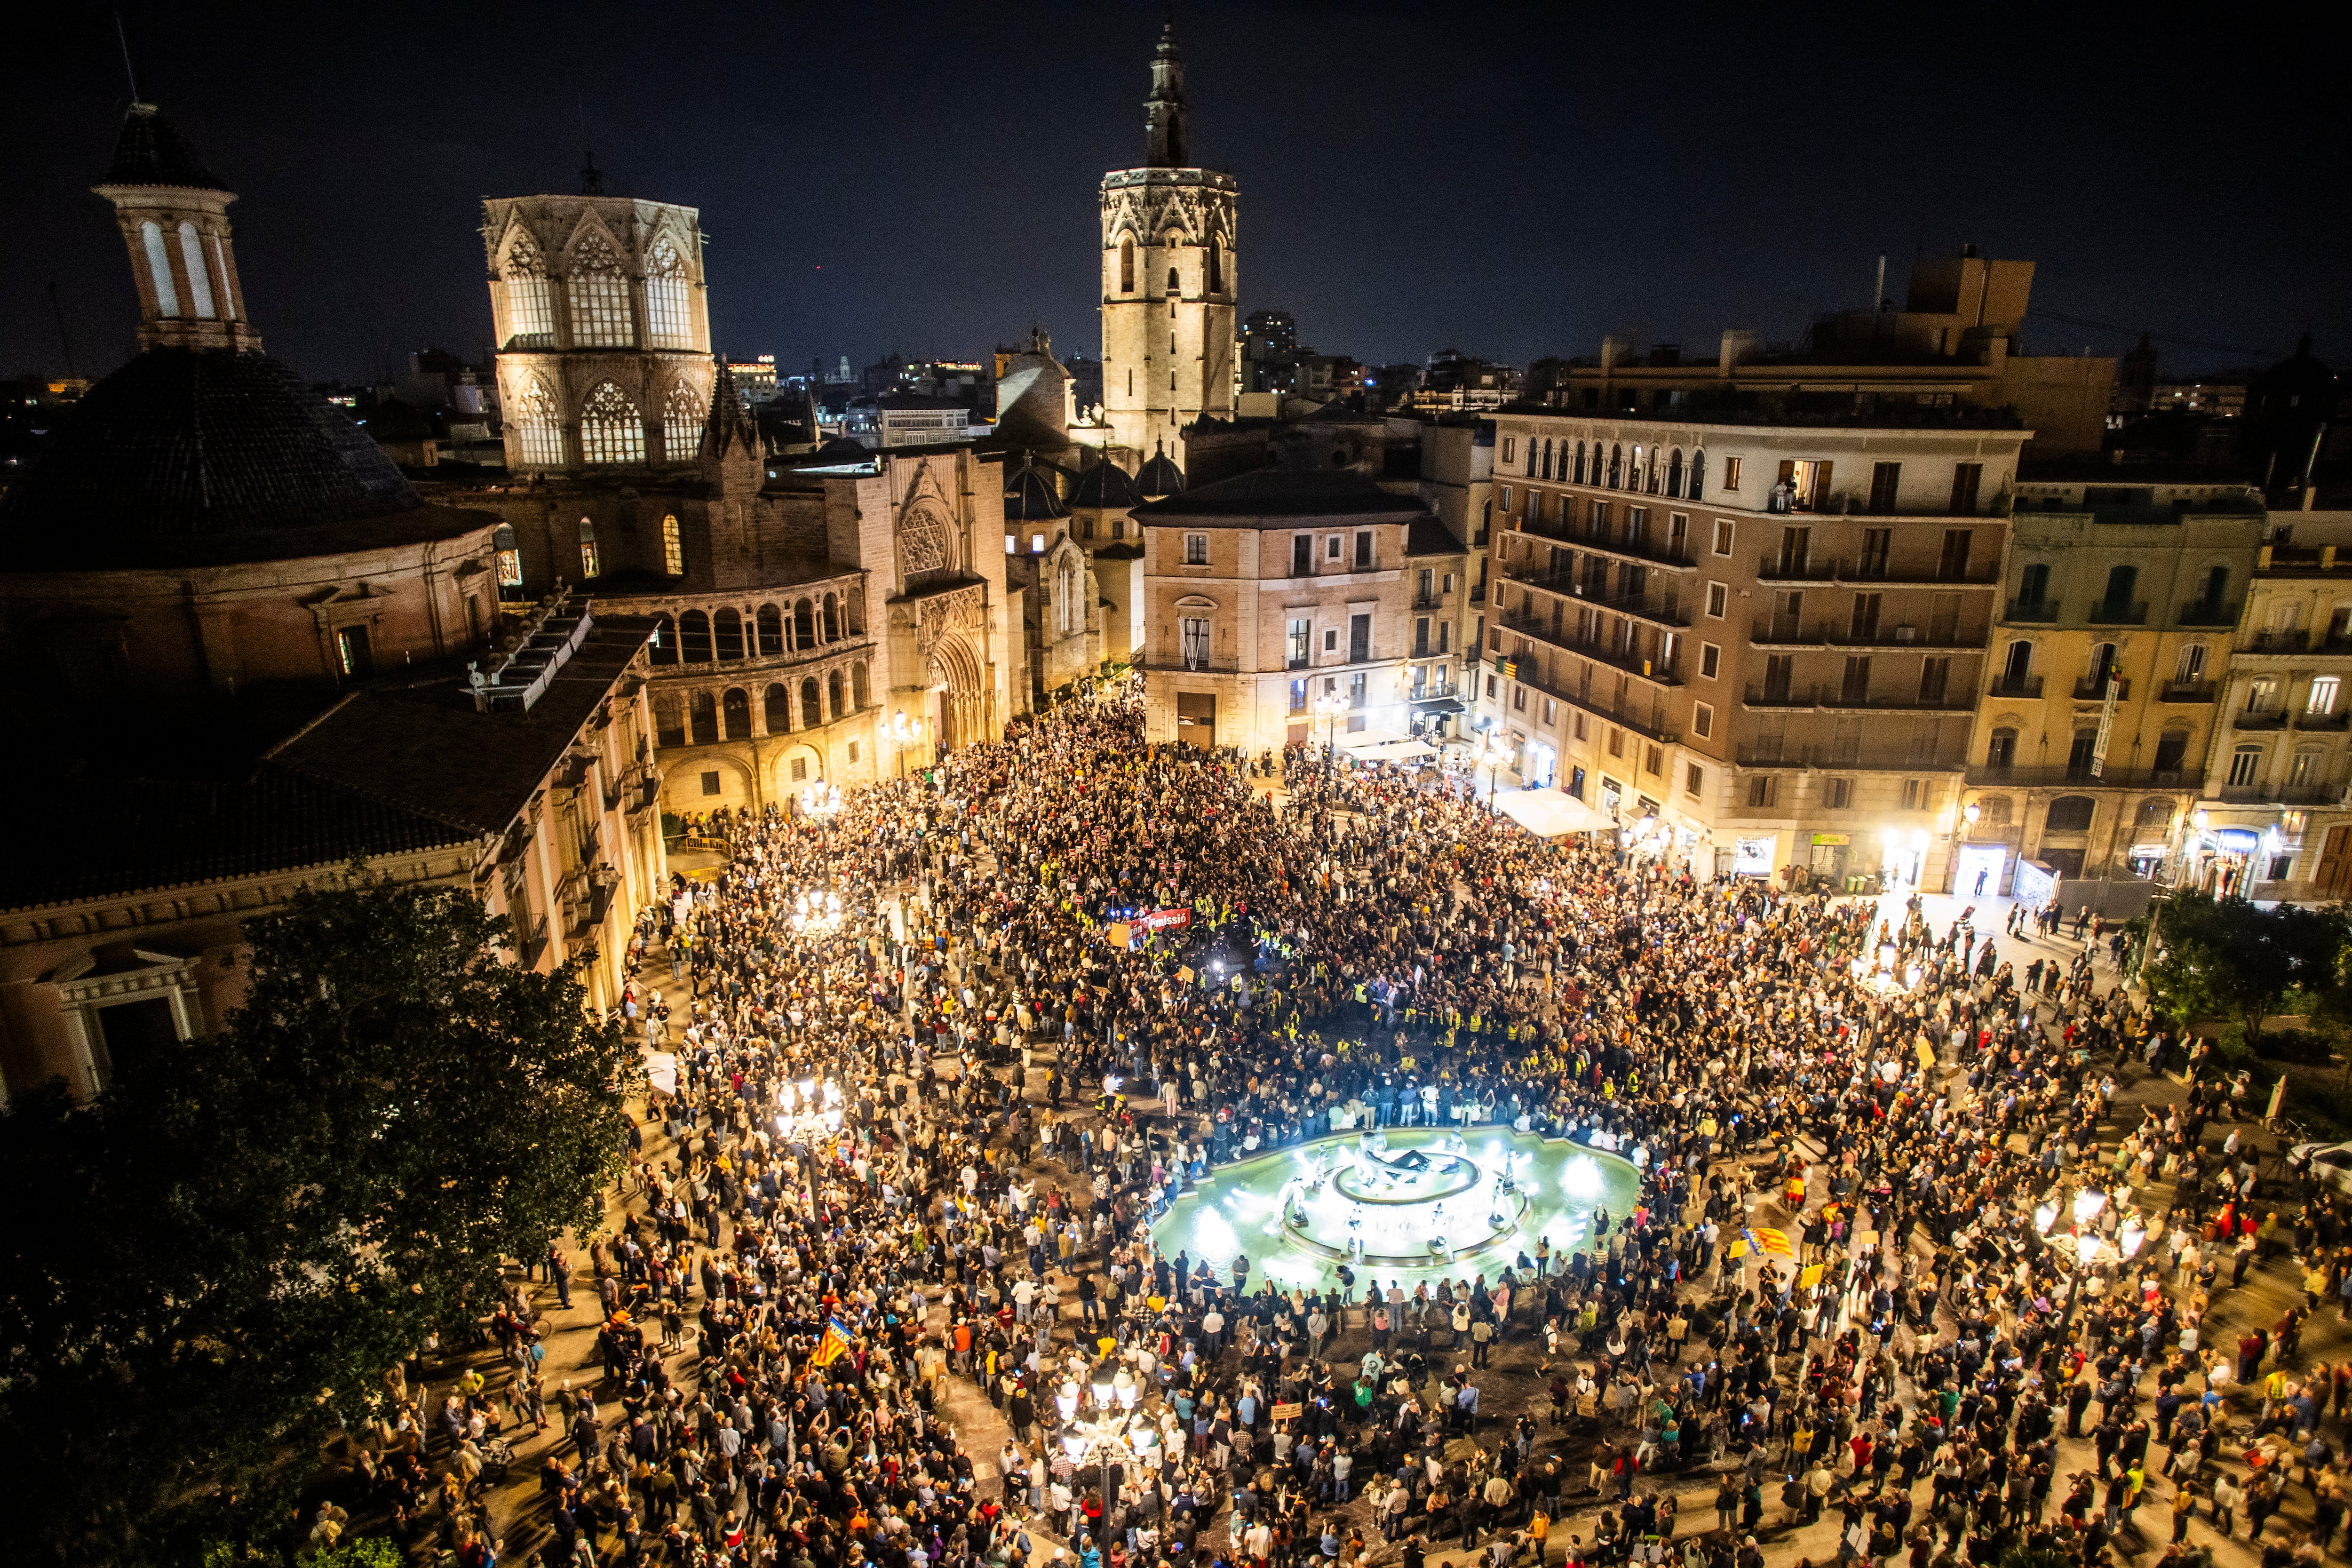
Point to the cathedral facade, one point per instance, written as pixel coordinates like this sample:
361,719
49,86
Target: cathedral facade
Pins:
1170,279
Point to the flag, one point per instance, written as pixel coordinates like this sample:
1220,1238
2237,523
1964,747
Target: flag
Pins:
1773,1243
834,1344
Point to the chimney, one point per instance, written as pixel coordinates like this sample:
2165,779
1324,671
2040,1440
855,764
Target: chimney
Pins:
1738,344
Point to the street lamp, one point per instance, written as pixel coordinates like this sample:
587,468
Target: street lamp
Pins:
1111,1394
820,800
1328,706
906,731
2087,1247
1492,754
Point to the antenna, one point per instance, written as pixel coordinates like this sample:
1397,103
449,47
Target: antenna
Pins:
64,341
592,180
123,38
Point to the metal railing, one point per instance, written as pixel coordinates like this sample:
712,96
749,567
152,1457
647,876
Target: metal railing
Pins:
2032,611
1861,759
1770,694
2025,689
1653,551
2111,613
1835,633
1648,667
2202,613
2188,691
2094,689
2109,777
1777,567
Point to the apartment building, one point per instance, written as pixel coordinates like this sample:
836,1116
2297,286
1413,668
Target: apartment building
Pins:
1768,638
2114,640
2271,821
1288,605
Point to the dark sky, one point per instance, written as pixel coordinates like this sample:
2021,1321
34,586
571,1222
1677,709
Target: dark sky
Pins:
922,177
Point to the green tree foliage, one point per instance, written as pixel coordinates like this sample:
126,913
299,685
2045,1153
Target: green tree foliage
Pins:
212,1264
2229,958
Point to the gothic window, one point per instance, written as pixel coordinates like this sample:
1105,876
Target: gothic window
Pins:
924,545
1066,596
600,297
1697,472
1675,473
158,270
530,307
1216,269
682,422
1546,459
1616,468
610,429
1579,462
589,561
509,556
200,288
665,322
1127,265
673,547
543,433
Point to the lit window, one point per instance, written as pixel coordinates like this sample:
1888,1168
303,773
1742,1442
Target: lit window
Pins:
610,429
681,424
192,252
673,547
1037,544
665,322
530,308
588,562
159,271
509,556
1013,544
600,298
2323,694
542,432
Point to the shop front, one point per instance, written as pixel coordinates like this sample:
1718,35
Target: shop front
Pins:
1981,870
1904,856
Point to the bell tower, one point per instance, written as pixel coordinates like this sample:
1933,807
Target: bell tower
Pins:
1170,277
173,213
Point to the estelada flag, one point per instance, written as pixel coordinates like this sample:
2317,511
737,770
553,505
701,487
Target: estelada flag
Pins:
832,1346
1772,1242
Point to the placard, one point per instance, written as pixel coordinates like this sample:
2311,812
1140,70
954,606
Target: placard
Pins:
1809,1277
1118,933
1288,1412
1926,1054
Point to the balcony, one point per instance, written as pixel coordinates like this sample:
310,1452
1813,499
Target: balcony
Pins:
1651,552
2293,640
2202,613
2109,778
2280,794
2324,721
1844,759
1646,719
1784,632
2032,612
2188,691
1829,695
2026,688
2095,688
2260,718
1226,664
1632,661
1478,595
1778,568
2116,615
1429,601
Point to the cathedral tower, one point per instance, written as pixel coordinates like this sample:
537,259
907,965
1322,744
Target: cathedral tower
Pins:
174,213
1168,278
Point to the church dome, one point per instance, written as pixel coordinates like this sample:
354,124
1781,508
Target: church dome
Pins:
193,457
1029,495
1106,486
1160,476
1032,396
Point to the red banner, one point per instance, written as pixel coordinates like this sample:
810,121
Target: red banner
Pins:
1160,920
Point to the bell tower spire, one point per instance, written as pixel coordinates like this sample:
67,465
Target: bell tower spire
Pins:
174,213
1165,146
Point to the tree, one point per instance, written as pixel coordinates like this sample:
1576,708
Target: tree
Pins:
2230,957
212,1264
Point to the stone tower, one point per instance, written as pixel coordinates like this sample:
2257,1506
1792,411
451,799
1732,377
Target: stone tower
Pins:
1169,277
598,307
173,213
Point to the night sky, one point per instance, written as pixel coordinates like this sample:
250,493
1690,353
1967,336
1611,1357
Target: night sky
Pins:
922,178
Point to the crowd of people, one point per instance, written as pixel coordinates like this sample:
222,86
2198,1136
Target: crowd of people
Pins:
1878,1241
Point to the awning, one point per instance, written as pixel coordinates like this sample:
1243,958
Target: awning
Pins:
1548,813
1383,746
1439,705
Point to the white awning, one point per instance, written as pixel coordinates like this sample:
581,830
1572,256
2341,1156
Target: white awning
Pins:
1384,746
1548,813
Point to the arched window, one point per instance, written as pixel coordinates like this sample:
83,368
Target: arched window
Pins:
737,708
778,704
610,429
1697,472
726,631
1579,462
589,561
1126,264
706,719
220,270
1216,269
599,293
1653,472
665,648
531,306
1067,618
200,288
510,551
1175,283
672,546
857,686
542,432
665,318
832,619
833,692
812,708
681,424
804,624
159,271
1675,473
772,629
1616,466
2070,814
694,637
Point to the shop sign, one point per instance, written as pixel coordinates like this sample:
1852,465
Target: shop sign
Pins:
1833,838
2238,840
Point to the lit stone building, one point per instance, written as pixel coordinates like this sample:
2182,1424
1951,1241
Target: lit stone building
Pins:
1170,278
304,662
1270,590
2112,647
2275,822
1764,638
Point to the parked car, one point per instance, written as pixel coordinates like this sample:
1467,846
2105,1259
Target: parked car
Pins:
2331,1162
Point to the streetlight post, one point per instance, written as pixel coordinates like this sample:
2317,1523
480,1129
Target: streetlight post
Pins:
1491,755
1328,706
2082,1249
1111,1394
904,730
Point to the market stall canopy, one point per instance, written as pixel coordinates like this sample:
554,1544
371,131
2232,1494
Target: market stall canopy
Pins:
1384,746
1548,813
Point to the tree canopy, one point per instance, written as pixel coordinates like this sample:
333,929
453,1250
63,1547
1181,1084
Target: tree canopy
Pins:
213,1263
2230,958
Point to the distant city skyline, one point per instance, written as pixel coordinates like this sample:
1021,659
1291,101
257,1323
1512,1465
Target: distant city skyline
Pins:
923,181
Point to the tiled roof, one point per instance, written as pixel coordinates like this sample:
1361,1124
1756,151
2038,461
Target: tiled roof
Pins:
1281,495
1029,497
1427,536
150,152
193,457
128,835
1106,485
1160,476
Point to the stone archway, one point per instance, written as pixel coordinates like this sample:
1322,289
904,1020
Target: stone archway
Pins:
957,698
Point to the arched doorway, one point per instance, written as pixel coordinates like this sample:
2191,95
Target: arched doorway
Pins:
959,712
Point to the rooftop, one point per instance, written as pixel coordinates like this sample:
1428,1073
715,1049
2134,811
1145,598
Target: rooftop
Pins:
1828,409
150,152
1281,495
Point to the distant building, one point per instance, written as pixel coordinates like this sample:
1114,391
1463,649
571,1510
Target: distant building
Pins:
912,419
755,378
